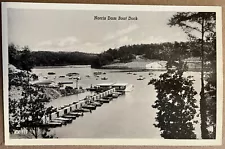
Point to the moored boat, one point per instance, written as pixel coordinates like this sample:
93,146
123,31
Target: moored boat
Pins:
59,121
81,110
104,78
76,78
67,120
53,124
51,73
108,98
65,82
97,73
88,106
103,100
141,78
115,95
97,104
69,116
72,74
76,113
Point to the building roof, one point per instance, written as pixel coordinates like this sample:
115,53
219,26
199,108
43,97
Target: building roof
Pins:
120,84
112,84
44,82
105,84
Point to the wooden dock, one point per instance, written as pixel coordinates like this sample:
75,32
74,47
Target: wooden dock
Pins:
68,113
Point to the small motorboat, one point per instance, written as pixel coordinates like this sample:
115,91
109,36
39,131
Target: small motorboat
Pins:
141,78
90,107
69,116
81,110
97,73
104,78
119,93
129,73
51,73
104,72
76,78
53,124
61,76
72,74
88,76
59,121
134,74
68,120
96,104
65,82
103,100
91,89
108,98
77,114
115,95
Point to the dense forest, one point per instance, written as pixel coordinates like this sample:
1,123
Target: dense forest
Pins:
161,51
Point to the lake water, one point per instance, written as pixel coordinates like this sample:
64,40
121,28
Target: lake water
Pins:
129,116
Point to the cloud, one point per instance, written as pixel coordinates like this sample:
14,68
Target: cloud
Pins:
153,39
68,41
121,32
124,40
45,43
58,43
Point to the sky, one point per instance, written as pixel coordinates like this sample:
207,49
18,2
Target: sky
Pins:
76,30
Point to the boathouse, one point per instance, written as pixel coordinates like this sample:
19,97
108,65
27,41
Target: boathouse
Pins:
105,86
120,86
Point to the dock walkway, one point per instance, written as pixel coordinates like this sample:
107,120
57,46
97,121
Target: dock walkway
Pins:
67,113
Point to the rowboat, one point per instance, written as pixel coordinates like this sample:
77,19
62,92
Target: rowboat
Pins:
69,116
76,113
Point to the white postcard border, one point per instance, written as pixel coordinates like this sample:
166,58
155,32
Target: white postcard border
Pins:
158,142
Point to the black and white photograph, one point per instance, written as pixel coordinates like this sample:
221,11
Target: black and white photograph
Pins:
94,74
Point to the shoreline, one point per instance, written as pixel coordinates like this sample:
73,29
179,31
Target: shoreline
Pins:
63,66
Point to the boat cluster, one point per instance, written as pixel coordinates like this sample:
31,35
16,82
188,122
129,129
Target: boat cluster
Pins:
88,106
72,75
98,75
140,76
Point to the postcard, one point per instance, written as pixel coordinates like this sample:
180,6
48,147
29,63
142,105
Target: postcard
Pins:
94,74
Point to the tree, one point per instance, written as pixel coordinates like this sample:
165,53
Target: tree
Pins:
197,25
21,58
176,105
13,54
210,87
26,105
26,60
26,102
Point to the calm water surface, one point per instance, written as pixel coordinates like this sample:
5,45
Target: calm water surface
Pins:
129,116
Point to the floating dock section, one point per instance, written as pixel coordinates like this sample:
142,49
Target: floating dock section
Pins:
67,109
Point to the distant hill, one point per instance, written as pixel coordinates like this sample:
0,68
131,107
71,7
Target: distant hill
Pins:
124,54
161,51
48,58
